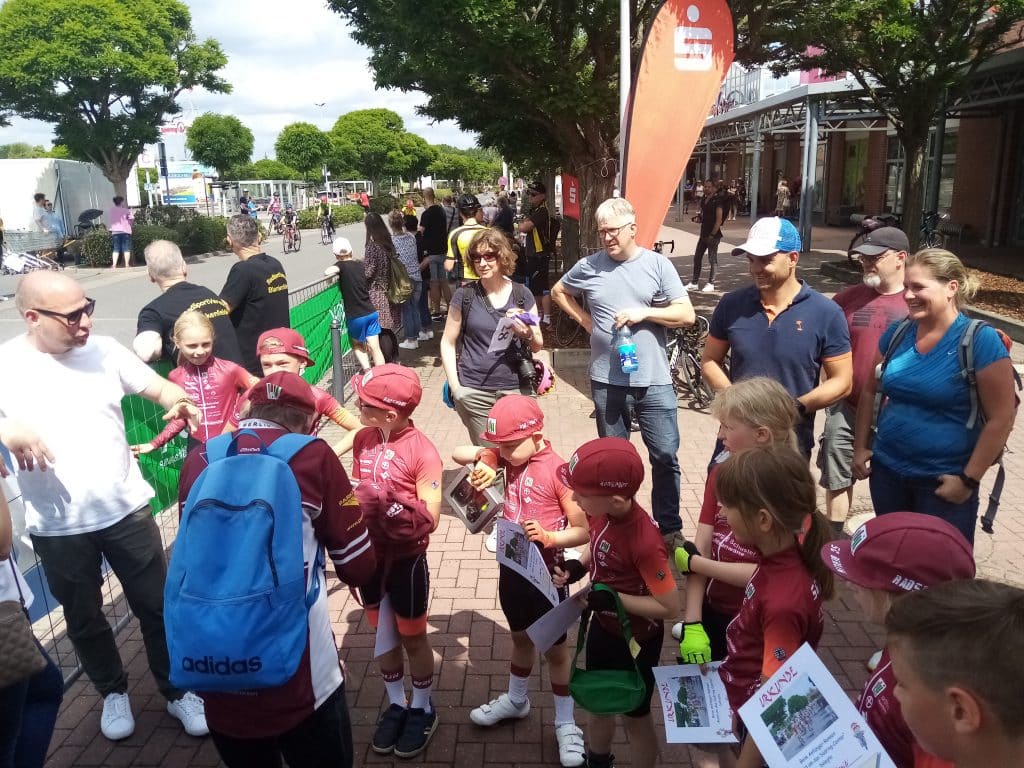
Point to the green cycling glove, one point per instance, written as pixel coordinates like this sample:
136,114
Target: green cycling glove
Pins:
695,647
683,555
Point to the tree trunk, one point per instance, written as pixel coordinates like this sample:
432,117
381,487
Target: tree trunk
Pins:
117,174
595,188
914,144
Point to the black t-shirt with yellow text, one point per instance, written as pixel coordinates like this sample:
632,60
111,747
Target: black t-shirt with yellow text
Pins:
257,289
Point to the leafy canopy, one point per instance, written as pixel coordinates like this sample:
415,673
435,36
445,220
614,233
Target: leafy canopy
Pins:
303,146
375,142
106,73
265,169
220,141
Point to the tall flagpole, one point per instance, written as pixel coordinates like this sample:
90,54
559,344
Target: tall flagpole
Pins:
624,82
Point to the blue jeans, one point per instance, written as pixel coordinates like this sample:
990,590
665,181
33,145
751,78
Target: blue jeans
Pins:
28,713
893,492
655,409
424,302
411,312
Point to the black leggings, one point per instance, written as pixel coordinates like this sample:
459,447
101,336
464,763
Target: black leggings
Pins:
707,243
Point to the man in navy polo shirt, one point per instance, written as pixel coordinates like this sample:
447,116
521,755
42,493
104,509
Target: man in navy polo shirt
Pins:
781,328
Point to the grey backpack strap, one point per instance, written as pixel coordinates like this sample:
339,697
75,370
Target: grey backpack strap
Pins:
965,354
897,336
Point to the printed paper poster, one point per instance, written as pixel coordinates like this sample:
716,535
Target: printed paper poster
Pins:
802,718
546,630
695,707
517,552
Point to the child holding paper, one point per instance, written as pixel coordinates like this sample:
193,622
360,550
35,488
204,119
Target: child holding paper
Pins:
752,412
768,497
957,652
399,474
539,501
627,554
887,557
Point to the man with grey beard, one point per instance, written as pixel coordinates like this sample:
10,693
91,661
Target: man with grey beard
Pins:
869,308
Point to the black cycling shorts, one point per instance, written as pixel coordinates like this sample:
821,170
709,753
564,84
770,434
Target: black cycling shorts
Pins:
521,602
407,584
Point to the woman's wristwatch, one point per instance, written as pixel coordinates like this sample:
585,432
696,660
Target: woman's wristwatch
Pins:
968,481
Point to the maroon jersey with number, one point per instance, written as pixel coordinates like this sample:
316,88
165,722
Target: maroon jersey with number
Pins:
882,712
781,611
628,555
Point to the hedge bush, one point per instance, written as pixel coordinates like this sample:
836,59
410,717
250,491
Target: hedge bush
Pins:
343,214
202,234
384,204
97,245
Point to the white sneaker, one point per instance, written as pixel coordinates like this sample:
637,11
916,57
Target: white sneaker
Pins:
677,630
692,286
491,542
409,344
117,722
708,288
499,709
570,745
191,711
426,335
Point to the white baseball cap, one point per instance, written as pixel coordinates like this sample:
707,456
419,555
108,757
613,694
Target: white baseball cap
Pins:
341,245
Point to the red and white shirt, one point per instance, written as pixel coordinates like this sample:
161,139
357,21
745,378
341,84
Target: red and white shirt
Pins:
330,518
781,611
628,555
723,598
533,491
215,387
326,407
404,461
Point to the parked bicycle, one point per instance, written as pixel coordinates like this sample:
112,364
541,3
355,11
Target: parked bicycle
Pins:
659,246
292,238
684,348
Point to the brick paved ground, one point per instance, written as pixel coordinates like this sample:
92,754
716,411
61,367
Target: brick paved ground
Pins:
467,628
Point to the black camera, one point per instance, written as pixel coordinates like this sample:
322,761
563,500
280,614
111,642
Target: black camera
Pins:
523,363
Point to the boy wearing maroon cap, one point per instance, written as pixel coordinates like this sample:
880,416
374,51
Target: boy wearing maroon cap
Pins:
627,554
537,499
284,349
305,720
890,556
958,657
399,474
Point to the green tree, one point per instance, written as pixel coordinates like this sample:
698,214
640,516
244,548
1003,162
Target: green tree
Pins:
452,165
536,81
20,150
105,73
774,715
418,155
264,169
220,141
372,141
303,146
911,58
797,703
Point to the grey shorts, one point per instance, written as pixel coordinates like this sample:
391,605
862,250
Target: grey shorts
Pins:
437,273
835,454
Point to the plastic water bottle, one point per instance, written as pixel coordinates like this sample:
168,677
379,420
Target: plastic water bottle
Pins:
627,350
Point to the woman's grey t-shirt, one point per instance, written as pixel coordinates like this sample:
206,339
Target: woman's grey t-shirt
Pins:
478,368
648,279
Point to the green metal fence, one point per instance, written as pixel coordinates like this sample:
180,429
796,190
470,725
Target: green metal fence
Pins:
310,313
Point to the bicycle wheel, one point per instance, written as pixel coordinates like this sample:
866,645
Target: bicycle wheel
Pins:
297,245
325,235
565,329
286,242
700,393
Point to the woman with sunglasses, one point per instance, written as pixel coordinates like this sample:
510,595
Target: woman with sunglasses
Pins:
492,313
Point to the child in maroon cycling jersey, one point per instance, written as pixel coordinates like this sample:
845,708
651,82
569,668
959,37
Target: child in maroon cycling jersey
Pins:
284,349
887,557
214,385
751,412
769,500
536,499
399,474
627,554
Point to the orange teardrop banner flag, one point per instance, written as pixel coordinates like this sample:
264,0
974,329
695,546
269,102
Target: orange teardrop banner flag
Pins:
686,54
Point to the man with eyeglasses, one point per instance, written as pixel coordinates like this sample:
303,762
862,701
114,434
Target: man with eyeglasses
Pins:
84,496
625,284
869,309
781,328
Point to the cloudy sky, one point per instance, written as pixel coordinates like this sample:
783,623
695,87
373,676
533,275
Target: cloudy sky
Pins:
283,59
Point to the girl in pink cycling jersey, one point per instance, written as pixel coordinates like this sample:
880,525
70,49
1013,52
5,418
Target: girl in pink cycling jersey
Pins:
213,384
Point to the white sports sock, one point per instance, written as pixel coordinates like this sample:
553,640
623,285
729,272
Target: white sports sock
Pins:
517,689
396,691
421,698
564,708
